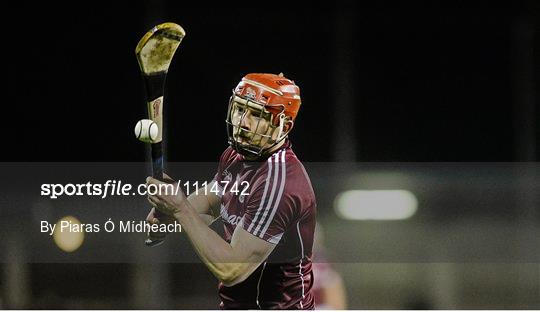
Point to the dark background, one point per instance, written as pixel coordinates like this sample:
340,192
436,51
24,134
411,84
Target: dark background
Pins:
437,82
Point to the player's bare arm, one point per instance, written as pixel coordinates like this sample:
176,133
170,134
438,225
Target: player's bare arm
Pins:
230,263
206,205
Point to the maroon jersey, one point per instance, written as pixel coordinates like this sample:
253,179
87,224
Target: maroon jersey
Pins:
280,208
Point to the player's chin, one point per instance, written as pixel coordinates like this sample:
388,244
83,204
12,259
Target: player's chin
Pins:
241,139
246,145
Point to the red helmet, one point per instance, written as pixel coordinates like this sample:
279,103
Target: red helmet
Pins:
272,91
277,96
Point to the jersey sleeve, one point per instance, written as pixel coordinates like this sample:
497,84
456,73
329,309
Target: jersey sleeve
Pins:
224,161
269,209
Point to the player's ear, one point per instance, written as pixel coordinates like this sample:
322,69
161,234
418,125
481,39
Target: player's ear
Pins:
287,127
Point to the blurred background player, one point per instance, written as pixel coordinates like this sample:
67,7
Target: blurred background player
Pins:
328,288
264,259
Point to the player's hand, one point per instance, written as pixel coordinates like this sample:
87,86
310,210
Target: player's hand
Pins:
167,178
152,215
170,198
163,219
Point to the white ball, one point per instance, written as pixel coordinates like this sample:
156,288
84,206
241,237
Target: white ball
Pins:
146,130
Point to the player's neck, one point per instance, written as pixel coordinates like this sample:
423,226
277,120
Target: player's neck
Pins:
277,147
267,154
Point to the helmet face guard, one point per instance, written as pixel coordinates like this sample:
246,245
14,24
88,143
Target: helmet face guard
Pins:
267,124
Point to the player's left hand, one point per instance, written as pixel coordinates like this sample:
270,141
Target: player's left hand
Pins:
170,198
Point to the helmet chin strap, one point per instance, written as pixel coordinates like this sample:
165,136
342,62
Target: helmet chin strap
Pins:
281,136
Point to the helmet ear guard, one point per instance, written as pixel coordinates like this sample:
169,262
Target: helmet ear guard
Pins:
284,120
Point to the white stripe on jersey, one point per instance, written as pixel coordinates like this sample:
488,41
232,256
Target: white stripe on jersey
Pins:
259,284
280,193
266,183
300,271
275,239
272,193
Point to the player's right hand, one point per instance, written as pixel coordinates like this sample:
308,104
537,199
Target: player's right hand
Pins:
167,178
163,219
151,218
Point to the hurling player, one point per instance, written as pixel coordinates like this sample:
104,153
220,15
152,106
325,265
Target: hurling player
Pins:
264,260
